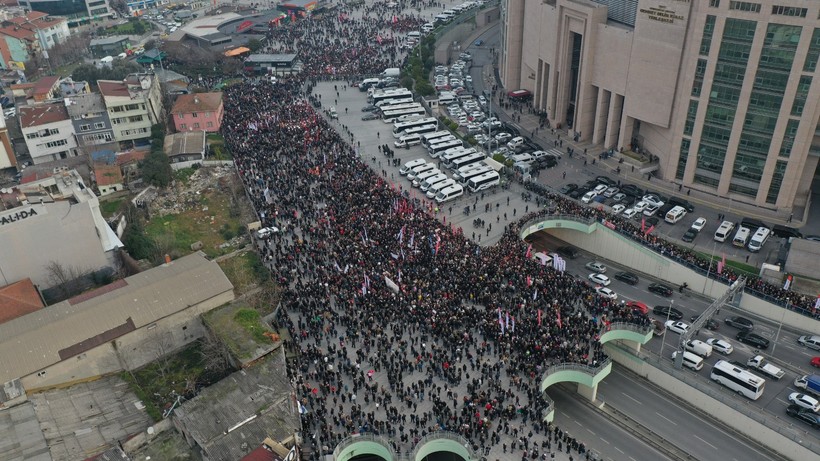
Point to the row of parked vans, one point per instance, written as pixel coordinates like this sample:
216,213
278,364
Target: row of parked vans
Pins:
744,237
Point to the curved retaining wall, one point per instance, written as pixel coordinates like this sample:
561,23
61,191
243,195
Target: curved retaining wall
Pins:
575,373
598,239
363,445
628,332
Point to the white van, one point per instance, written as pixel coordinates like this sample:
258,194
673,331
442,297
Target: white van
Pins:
690,360
543,258
367,83
414,35
449,193
408,140
675,214
722,233
522,158
522,168
414,172
741,237
425,185
699,347
446,97
421,177
427,28
759,239
438,187
410,165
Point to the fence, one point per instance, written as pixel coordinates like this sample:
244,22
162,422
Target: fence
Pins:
642,329
408,456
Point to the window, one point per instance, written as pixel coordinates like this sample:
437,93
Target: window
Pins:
814,52
99,125
181,115
194,115
57,143
745,6
708,30
135,118
97,138
714,3
777,181
210,124
789,11
134,131
196,126
85,127
181,126
684,156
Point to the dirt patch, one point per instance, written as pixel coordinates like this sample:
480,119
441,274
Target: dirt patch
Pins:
242,330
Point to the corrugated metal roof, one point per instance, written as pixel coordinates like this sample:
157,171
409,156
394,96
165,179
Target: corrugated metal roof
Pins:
32,342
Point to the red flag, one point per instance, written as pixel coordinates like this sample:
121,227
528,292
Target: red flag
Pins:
648,231
539,313
438,243
529,281
721,263
558,313
529,251
643,223
395,19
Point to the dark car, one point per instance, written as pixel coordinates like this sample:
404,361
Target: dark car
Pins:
674,201
632,189
627,277
589,185
568,188
711,324
660,289
689,235
740,322
369,108
568,252
752,339
668,311
576,194
605,180
652,221
803,414
370,116
665,209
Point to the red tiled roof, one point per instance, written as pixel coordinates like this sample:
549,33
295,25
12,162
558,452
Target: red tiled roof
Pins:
107,174
40,115
197,102
45,84
262,453
131,156
18,299
18,33
112,88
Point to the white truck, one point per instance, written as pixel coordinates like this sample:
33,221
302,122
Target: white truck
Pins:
391,72
764,366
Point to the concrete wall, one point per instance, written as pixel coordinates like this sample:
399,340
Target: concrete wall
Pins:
600,240
713,407
130,351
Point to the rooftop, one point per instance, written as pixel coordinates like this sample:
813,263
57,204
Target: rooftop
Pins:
82,104
37,20
112,40
32,116
190,142
197,102
45,84
106,175
45,337
231,418
271,58
132,86
19,298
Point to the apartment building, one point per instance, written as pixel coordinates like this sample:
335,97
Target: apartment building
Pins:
133,104
48,132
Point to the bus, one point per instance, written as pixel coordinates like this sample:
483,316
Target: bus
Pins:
379,98
431,138
739,380
459,162
456,152
420,129
390,116
438,149
475,169
483,181
402,105
393,102
401,127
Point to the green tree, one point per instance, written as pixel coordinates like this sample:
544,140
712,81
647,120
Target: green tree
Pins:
254,45
139,245
138,27
156,168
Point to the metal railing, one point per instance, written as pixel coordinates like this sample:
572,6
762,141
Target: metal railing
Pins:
445,435
364,438
642,329
588,369
790,429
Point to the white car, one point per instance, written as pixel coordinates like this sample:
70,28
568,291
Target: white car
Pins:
653,200
805,401
600,189
610,192
599,279
503,137
629,213
699,224
516,142
589,196
720,345
606,292
595,266
617,208
266,232
650,210
677,326
640,206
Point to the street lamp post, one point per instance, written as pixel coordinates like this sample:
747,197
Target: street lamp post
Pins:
780,327
663,339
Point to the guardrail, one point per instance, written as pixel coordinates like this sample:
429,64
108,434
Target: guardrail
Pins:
445,435
642,329
348,441
589,369
771,421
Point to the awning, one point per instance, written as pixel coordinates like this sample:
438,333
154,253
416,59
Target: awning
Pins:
237,51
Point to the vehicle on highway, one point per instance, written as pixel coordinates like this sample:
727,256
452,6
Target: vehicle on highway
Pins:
741,323
711,324
815,362
690,360
667,311
676,326
805,401
765,367
689,235
699,224
568,252
660,289
720,345
627,277
737,379
596,266
638,306
752,339
266,232
568,188
810,383
599,279
804,415
618,208
812,342
606,292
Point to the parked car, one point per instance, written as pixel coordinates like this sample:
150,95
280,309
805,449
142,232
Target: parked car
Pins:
711,324
266,232
599,279
689,235
595,266
699,224
720,345
668,311
752,339
605,180
370,116
740,322
568,188
660,289
627,277
629,213
618,208
568,252
632,189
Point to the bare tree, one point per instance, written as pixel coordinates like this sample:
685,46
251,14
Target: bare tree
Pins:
215,354
69,280
161,347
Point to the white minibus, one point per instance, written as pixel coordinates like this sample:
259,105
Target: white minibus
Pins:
439,186
425,185
675,214
408,140
450,193
419,170
410,165
690,360
759,239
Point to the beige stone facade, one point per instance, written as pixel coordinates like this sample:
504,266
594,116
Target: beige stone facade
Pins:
717,90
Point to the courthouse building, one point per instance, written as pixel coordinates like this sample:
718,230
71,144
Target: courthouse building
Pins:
723,93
